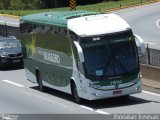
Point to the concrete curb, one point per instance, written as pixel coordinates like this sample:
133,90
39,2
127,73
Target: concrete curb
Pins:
129,6
11,16
151,86
118,8
152,77
151,72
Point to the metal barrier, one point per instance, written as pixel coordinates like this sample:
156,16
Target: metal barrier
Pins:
9,29
151,57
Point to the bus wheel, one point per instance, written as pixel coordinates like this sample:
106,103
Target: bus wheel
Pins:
76,98
39,81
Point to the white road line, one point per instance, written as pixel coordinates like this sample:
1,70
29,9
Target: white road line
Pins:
44,98
85,107
151,93
97,111
13,83
158,23
102,112
106,113
150,43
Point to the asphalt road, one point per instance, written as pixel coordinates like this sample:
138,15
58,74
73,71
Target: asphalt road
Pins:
143,20
19,96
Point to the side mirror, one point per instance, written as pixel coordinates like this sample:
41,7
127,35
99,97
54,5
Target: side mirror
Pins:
80,63
140,45
81,67
80,51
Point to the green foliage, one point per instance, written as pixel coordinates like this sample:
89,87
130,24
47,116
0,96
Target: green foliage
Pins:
4,4
1,5
16,4
36,4
20,4
31,6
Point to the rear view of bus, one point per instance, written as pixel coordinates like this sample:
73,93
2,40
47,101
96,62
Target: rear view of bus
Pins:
108,57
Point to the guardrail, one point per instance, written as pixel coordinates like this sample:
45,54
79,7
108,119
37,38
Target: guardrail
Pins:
9,29
151,57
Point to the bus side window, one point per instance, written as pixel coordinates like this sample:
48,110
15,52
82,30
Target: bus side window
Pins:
73,36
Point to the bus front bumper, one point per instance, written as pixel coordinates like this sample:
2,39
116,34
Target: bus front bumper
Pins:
94,94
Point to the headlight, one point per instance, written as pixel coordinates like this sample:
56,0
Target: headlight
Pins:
93,85
96,86
3,60
3,54
139,76
137,79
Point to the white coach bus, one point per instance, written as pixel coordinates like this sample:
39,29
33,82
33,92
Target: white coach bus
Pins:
87,54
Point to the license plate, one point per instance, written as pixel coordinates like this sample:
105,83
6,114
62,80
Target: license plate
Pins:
16,61
117,92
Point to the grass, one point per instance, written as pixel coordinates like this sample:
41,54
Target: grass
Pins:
93,7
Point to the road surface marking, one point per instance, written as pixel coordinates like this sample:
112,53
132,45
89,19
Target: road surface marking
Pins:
150,43
44,98
97,111
13,83
101,112
151,93
158,23
85,107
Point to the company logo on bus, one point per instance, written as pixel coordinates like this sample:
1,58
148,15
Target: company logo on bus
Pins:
51,57
116,82
96,39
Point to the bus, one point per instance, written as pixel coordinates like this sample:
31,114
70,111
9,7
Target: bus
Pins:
90,55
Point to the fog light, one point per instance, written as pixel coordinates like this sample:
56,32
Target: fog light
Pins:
95,94
3,60
138,88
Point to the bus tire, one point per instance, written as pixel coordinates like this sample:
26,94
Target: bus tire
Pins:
75,96
39,81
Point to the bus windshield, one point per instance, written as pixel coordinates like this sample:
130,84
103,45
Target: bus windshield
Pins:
110,55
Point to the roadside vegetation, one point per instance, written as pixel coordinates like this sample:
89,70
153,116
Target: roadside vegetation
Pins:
102,6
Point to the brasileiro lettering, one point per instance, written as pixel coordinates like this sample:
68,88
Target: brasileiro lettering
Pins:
51,57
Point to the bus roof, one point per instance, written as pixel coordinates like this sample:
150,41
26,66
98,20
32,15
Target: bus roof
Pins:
97,24
83,23
57,18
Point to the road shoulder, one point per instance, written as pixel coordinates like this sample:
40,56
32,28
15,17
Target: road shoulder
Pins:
151,78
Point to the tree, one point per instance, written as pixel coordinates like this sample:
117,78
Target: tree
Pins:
31,4
16,4
1,5
24,4
37,4
4,4
55,3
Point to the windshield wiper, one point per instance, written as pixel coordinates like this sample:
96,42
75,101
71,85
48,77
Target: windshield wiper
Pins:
109,61
122,66
113,61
